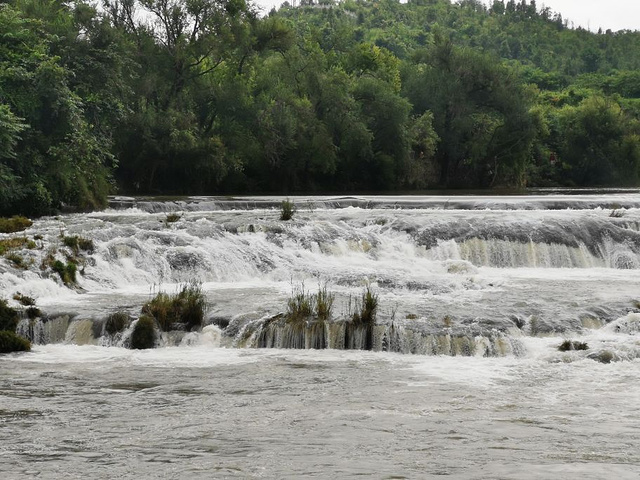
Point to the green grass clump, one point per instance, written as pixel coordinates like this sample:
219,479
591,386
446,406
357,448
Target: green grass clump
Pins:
287,210
15,242
33,312
14,224
8,317
161,308
116,322
77,243
299,305
10,342
144,333
303,305
569,345
366,308
17,260
67,272
184,310
324,303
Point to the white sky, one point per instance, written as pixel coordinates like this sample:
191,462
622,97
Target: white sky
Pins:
592,14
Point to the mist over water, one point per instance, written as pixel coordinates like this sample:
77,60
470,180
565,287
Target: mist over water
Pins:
476,293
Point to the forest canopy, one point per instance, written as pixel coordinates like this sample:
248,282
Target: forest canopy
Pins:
210,97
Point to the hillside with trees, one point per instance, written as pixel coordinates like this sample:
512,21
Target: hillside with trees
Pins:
209,97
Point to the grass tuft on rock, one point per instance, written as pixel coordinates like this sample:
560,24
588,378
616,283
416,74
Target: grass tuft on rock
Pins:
77,243
116,322
182,311
287,210
144,333
11,342
24,300
303,305
8,244
14,224
67,272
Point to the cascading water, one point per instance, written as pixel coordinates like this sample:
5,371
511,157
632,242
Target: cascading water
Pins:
455,276
505,345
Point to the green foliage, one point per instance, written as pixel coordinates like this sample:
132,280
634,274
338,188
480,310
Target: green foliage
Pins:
184,310
14,224
600,142
8,317
287,210
116,322
205,97
50,152
144,333
10,342
324,303
66,271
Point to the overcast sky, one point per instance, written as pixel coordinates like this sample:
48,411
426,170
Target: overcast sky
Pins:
592,14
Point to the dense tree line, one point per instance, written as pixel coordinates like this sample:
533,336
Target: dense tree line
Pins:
207,96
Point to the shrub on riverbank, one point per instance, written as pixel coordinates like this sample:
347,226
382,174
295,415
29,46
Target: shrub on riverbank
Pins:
10,342
366,309
184,310
144,333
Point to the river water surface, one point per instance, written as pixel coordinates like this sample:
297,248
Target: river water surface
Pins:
465,380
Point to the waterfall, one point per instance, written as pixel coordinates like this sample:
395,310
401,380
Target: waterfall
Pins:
429,258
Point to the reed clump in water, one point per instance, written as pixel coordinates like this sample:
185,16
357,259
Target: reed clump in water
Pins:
182,311
366,309
303,305
359,332
287,210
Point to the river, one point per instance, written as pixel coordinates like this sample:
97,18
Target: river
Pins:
476,293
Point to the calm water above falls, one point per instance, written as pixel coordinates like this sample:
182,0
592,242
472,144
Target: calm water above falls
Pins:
483,289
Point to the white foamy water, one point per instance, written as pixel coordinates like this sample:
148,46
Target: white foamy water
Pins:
476,294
